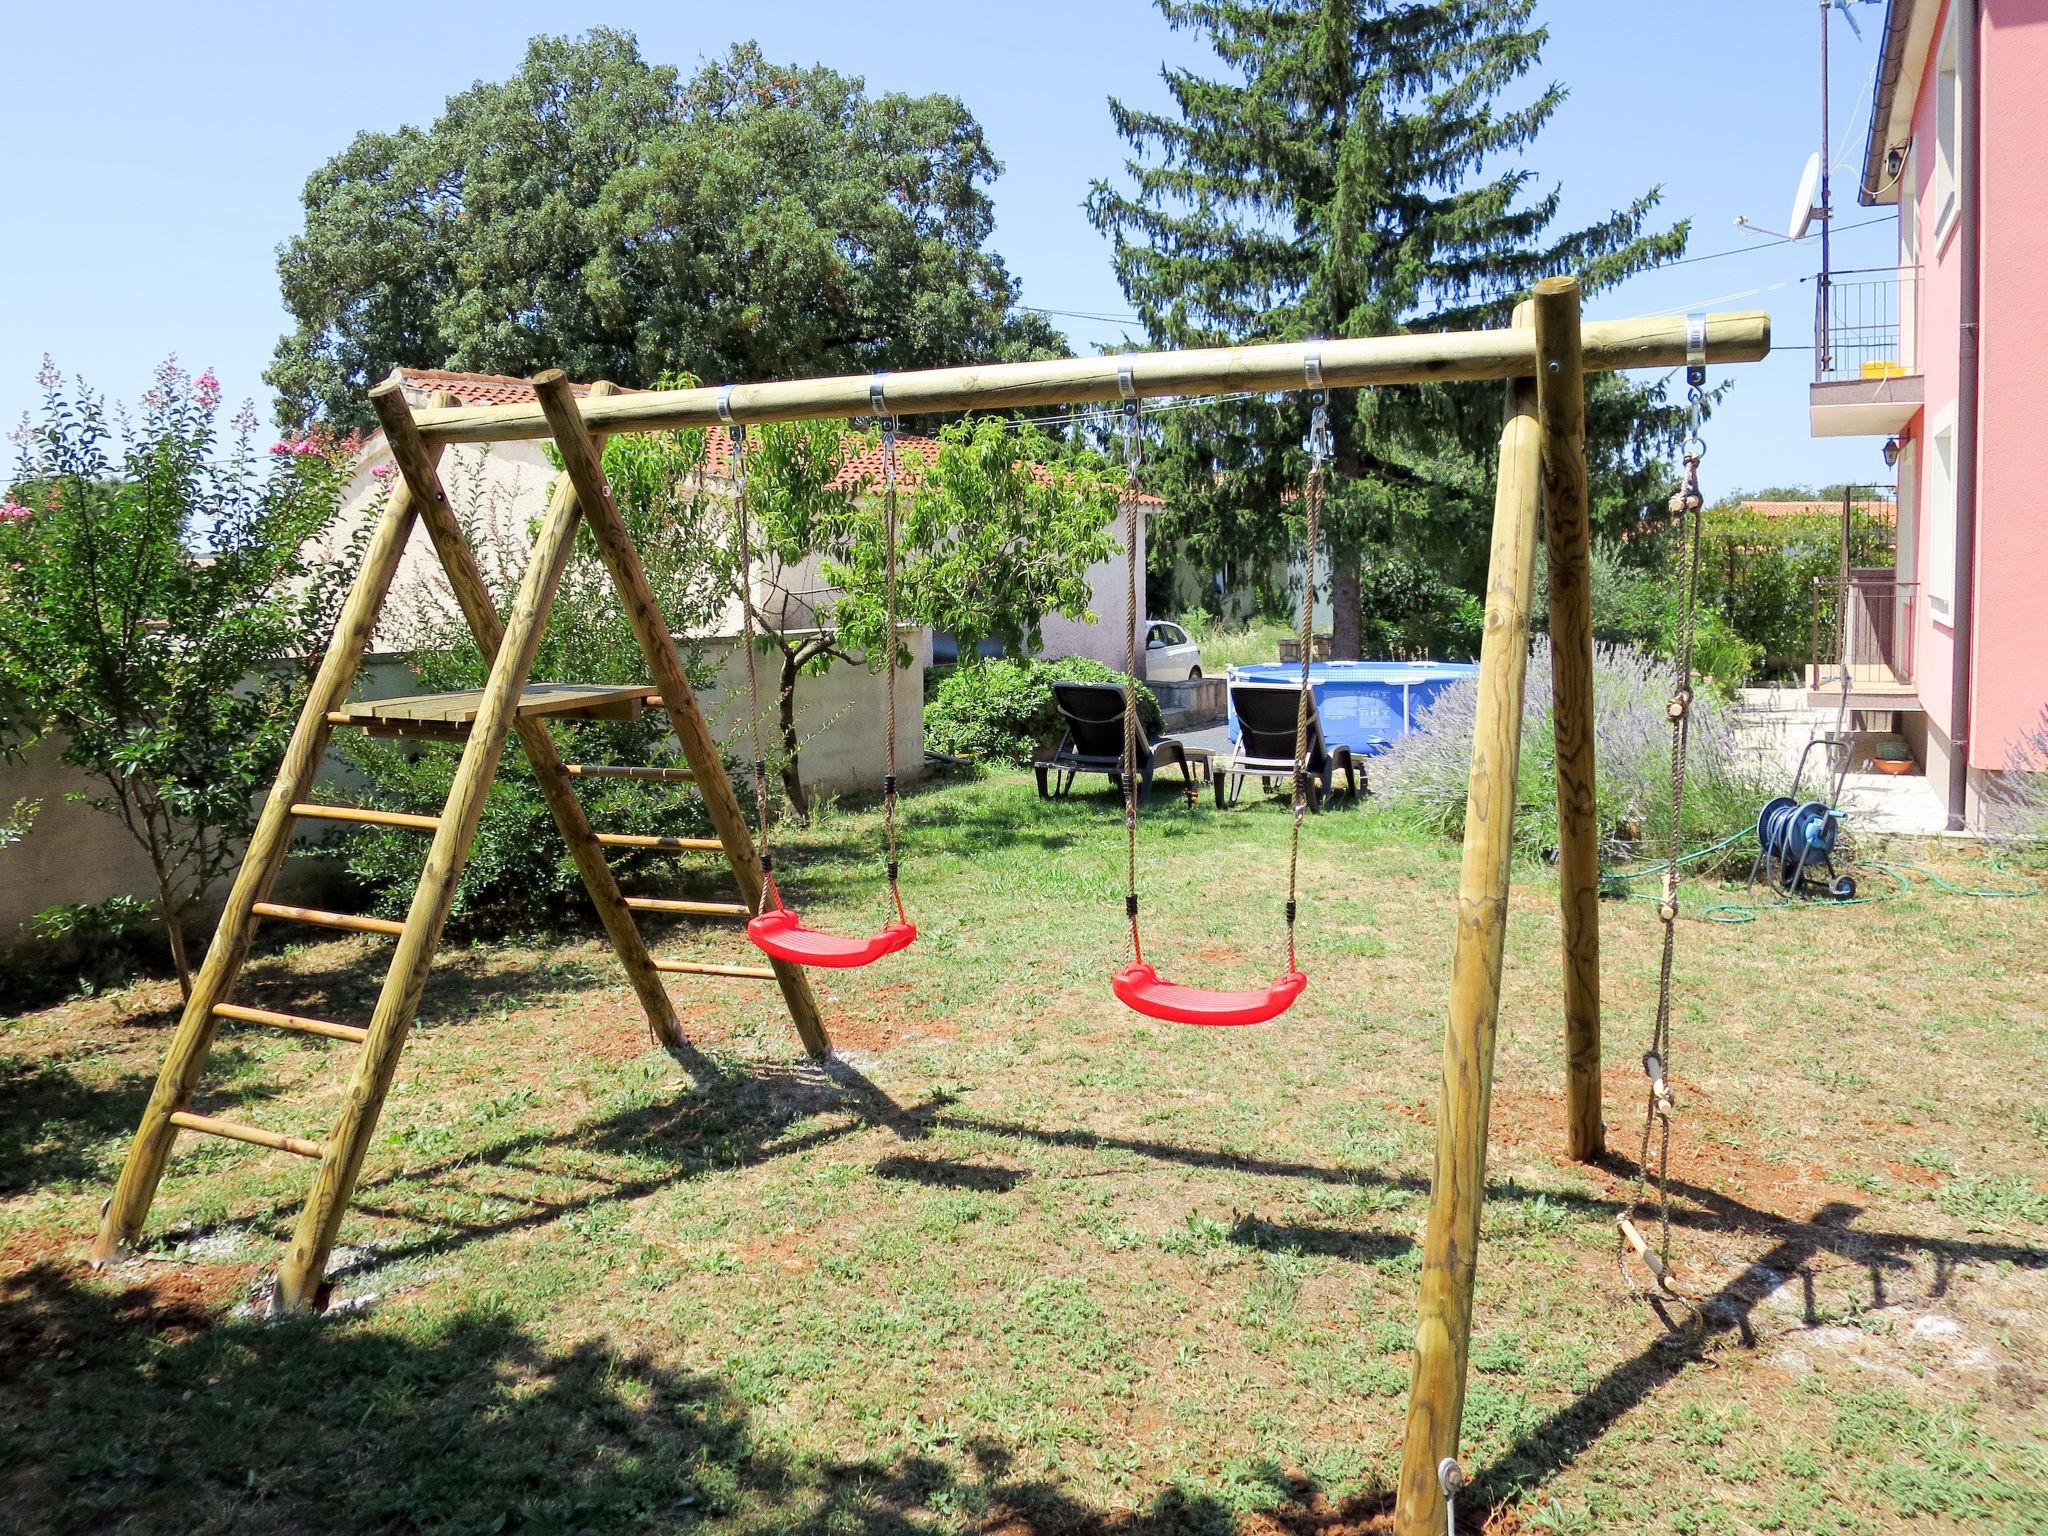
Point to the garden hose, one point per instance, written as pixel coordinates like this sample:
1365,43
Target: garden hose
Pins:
1615,885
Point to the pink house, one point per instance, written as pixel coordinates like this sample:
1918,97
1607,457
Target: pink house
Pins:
1939,358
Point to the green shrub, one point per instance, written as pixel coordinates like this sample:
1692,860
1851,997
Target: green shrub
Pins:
1638,608
998,711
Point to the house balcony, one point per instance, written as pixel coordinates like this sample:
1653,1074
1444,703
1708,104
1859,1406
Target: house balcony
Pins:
1862,387
1863,637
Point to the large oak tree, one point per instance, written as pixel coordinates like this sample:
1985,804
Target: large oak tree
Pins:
619,220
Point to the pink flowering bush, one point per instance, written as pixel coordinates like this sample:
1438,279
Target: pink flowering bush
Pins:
155,601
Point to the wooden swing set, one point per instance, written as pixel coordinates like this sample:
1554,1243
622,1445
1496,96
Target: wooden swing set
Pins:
1542,480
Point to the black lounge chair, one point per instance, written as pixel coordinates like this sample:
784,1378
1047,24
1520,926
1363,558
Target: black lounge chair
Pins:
1266,717
1094,742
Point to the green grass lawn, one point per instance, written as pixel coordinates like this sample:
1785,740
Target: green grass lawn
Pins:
1021,1261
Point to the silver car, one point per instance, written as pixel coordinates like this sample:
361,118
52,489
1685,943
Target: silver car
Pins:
1170,656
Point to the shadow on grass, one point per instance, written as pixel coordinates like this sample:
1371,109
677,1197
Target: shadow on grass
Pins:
488,1428
142,1412
1319,1242
949,1173
61,1128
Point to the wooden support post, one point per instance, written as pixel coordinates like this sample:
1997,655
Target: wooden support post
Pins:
586,473
269,843
1567,522
305,1261
416,462
1443,1334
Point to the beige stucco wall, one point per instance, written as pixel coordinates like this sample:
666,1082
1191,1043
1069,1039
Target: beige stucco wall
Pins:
74,853
1103,638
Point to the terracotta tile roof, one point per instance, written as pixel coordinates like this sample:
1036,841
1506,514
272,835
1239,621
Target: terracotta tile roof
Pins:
472,388
863,468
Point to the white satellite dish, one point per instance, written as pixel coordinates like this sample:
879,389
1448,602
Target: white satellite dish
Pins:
1803,208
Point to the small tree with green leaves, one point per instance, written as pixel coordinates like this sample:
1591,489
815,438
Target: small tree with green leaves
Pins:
995,532
155,602
998,531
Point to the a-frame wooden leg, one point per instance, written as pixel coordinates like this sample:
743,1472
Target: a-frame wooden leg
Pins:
586,472
269,843
416,462
1443,1333
305,1261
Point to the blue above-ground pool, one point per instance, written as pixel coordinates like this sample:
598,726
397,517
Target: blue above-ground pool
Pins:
1364,705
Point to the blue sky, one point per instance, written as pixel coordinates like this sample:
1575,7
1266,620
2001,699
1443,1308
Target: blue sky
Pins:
156,155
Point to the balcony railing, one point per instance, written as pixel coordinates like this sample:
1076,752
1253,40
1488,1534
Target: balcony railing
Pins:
1856,330
1865,624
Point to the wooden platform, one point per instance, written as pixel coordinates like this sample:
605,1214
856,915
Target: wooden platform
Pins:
443,713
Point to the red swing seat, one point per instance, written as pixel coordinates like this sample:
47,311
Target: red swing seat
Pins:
781,933
1140,988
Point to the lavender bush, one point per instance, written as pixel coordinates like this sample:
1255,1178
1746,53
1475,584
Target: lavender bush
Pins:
2019,797
1424,777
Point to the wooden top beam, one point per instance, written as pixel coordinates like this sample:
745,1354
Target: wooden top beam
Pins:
1448,356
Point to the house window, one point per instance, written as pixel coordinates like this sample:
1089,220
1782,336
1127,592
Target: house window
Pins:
1948,119
1940,517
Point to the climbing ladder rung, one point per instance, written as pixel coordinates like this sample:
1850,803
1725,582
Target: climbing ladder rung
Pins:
706,968
319,919
367,817
693,908
295,1021
671,844
254,1135
621,771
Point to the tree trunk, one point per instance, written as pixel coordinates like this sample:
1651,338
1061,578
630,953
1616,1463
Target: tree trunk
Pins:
174,931
1344,599
785,713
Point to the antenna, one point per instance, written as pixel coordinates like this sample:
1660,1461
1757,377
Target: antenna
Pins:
1804,208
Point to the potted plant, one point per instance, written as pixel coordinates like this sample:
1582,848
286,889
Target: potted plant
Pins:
1893,756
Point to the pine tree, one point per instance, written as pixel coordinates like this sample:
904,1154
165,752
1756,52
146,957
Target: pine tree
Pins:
1356,172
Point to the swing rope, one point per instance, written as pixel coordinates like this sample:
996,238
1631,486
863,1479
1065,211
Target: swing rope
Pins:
1688,505
737,433
889,425
1319,454
1133,459
1138,984
781,933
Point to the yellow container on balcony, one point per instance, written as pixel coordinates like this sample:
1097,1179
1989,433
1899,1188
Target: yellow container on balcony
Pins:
1884,370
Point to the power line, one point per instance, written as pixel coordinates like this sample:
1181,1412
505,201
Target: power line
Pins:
1683,261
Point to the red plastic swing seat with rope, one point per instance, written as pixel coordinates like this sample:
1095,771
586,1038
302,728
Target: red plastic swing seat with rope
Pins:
1140,988
777,931
781,933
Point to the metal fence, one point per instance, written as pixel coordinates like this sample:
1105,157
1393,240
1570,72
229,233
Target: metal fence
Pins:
1856,322
1865,624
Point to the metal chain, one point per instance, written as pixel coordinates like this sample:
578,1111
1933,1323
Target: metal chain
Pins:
1319,454
1133,458
889,620
1688,506
738,433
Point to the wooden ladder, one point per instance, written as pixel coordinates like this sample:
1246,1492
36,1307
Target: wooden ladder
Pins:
509,704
